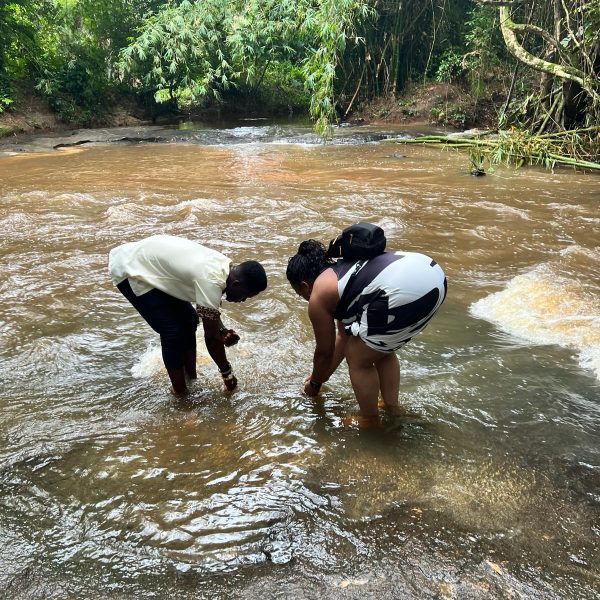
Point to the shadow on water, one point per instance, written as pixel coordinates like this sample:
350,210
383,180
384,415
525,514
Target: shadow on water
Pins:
112,488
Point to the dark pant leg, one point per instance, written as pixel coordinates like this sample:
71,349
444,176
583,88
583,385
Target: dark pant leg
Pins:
173,319
188,321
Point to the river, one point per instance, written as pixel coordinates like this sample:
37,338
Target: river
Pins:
111,488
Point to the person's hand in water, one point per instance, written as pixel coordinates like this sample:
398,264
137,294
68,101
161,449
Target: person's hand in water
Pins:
231,382
311,388
229,379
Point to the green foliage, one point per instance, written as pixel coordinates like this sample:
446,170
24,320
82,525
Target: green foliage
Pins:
74,79
24,32
6,94
23,29
483,38
202,49
329,27
479,55
283,88
5,102
452,115
81,77
296,52
261,35
324,55
451,66
589,14
486,57
180,48
578,148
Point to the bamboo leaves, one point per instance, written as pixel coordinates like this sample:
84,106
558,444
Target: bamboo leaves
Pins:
197,47
329,26
176,50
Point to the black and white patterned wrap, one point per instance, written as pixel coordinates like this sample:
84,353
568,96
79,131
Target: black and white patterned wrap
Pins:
388,299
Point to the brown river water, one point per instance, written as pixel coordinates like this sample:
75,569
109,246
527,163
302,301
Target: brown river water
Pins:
110,488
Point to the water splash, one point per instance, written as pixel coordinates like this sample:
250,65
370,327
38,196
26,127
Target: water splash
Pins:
546,307
150,363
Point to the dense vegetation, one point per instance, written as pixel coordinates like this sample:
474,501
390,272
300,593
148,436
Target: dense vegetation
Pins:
536,62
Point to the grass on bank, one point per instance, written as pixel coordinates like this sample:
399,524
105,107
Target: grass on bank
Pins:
577,148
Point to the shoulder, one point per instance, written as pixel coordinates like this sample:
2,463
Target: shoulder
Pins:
326,281
325,293
205,259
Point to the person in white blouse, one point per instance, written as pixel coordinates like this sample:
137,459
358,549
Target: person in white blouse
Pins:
162,276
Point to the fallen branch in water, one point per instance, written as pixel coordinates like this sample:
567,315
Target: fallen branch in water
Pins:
579,148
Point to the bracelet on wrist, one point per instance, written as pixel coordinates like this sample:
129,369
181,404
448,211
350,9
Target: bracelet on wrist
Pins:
227,371
315,385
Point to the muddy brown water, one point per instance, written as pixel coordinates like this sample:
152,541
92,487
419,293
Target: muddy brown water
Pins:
110,488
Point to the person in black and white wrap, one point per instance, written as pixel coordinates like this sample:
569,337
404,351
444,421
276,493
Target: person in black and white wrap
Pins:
379,305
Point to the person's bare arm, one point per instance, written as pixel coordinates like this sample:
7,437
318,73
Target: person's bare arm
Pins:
323,300
340,348
216,348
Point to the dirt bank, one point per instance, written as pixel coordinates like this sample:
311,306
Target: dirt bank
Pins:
432,103
439,104
30,113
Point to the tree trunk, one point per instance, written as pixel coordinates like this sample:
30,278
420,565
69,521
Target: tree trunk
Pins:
520,53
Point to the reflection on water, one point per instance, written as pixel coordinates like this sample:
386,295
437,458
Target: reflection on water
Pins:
109,485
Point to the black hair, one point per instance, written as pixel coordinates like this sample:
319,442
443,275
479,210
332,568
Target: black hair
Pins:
308,263
252,276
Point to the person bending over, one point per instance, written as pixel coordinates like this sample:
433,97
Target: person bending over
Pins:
162,275
379,305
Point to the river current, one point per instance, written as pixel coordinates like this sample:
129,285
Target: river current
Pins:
111,488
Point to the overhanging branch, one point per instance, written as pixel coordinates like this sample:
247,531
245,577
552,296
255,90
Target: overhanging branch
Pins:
562,71
522,28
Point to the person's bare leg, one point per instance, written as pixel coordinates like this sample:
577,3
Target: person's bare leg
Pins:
388,369
363,375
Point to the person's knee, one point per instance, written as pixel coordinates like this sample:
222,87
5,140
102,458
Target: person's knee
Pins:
388,359
174,337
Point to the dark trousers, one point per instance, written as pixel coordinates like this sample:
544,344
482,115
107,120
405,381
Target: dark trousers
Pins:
174,320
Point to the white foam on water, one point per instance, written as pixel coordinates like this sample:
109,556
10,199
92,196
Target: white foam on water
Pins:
201,203
16,226
591,254
150,363
504,208
298,143
123,213
542,307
